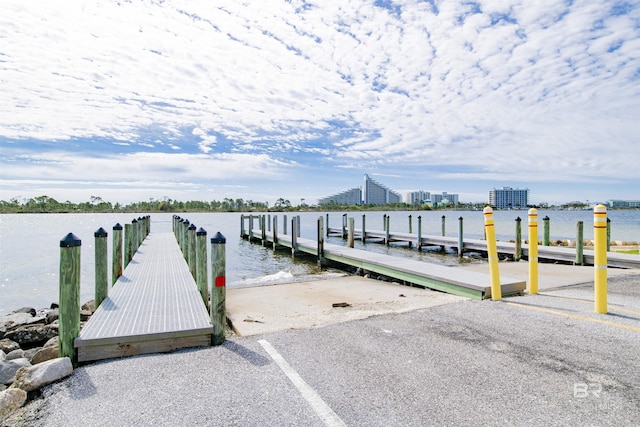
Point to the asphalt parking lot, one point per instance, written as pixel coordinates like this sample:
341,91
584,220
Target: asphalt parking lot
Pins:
530,360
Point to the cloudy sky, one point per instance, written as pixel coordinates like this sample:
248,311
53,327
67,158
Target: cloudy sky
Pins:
202,100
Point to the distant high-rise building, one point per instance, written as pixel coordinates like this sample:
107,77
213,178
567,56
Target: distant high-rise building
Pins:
348,197
451,199
509,198
374,193
418,197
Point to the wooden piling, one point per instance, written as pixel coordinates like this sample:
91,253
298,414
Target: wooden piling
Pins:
387,230
69,298
419,245
128,244
320,241
191,258
294,237
364,228
201,265
134,236
517,253
242,234
327,224
218,288
351,232
579,243
101,266
263,229
275,232
443,230
545,236
410,224
116,261
460,237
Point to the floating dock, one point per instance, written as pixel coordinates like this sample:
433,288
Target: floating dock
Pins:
446,279
153,307
546,253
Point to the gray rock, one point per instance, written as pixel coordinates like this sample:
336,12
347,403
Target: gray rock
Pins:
16,354
85,315
34,377
30,310
8,369
14,320
3,387
32,335
3,356
28,354
44,354
8,345
53,342
89,306
55,305
52,315
10,400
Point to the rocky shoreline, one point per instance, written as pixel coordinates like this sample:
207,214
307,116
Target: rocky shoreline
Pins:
29,355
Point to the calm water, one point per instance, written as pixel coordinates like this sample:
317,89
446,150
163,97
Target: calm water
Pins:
30,244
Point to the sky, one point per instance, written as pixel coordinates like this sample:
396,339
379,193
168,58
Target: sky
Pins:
200,100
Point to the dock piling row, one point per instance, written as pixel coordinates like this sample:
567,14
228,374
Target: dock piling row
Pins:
194,247
69,280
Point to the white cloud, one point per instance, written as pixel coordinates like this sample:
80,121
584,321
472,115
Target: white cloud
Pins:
534,94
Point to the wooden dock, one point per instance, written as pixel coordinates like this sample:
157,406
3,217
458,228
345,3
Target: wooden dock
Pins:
153,307
545,253
446,279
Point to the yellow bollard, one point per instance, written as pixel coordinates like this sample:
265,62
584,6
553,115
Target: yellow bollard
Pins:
533,251
492,254
600,258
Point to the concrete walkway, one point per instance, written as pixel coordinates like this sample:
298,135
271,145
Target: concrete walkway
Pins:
304,305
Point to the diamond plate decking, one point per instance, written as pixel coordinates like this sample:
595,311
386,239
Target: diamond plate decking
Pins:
154,307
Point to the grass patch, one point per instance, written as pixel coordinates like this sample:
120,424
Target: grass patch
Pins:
629,251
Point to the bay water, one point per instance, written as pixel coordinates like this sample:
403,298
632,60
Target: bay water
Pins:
30,244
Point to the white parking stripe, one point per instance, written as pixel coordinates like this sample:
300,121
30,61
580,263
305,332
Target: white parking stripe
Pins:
323,410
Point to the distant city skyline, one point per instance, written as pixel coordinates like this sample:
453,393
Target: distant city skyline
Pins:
202,100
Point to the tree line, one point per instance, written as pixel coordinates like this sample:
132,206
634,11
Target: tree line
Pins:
46,204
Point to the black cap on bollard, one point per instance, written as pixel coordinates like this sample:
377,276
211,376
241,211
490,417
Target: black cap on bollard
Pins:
201,232
218,238
117,227
70,241
192,227
101,232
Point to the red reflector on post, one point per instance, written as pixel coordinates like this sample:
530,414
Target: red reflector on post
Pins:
220,282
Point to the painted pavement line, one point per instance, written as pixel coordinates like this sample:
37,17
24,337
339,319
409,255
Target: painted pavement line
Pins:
575,316
589,301
323,410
